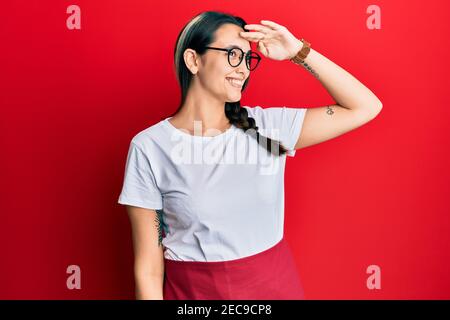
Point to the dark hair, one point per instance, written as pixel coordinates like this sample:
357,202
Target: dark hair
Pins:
197,34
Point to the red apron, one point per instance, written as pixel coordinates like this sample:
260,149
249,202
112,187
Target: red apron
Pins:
268,275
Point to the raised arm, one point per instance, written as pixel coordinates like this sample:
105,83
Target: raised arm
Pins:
355,103
148,253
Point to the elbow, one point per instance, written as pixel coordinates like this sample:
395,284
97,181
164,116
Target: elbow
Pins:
375,109
149,287
379,107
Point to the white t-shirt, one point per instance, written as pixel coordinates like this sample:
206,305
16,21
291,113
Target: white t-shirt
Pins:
222,196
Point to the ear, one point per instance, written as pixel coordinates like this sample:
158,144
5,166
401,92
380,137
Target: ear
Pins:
191,59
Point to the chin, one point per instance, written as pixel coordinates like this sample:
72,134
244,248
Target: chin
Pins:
233,101
235,98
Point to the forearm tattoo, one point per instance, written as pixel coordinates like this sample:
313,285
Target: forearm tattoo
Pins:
329,110
307,67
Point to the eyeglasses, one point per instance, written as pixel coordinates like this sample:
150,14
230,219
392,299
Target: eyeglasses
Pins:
236,55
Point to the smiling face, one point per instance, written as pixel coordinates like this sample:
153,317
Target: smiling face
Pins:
215,73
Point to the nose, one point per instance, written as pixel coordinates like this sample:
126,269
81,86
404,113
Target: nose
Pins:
242,70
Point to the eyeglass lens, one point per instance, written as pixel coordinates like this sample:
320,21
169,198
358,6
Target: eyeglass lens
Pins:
236,56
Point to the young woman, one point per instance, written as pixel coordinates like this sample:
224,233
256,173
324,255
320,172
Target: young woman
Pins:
204,188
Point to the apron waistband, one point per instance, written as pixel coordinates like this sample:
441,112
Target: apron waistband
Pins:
227,263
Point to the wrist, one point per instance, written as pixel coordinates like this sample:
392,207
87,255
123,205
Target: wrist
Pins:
301,55
298,47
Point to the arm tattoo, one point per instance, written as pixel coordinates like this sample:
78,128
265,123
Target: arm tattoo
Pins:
307,67
160,225
329,110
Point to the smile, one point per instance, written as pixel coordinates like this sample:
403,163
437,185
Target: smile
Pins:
235,83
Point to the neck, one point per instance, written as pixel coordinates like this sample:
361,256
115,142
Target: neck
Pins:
200,106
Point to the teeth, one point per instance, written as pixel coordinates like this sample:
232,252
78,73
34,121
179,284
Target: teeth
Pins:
235,82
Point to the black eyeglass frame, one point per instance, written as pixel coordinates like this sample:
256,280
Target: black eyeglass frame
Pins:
247,55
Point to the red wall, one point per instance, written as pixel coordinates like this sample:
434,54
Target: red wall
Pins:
71,100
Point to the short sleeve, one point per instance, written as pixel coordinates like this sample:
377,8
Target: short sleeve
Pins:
139,185
286,122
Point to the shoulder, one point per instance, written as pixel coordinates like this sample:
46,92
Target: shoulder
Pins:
260,112
254,111
147,137
275,115
266,117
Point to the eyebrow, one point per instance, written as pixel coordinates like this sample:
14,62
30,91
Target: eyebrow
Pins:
236,46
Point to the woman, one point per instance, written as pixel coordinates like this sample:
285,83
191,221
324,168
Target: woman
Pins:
204,188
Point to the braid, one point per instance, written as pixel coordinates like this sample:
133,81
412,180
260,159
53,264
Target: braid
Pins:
238,116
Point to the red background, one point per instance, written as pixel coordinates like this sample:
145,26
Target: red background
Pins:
71,100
